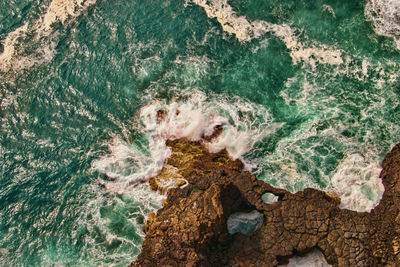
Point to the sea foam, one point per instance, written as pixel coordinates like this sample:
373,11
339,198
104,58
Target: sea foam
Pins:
15,57
384,15
127,166
245,31
357,182
61,10
244,123
192,115
348,165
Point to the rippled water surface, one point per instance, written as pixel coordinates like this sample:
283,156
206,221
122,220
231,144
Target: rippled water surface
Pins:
307,93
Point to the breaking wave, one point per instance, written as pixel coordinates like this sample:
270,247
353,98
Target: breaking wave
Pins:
191,115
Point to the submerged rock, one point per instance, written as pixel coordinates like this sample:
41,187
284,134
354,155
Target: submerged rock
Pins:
191,229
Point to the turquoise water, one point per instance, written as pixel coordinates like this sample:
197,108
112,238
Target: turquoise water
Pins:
75,135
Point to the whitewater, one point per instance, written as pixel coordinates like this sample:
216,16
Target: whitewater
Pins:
307,95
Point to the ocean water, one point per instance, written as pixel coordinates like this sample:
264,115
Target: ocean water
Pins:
307,93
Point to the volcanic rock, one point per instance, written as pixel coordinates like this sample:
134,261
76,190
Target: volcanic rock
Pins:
191,228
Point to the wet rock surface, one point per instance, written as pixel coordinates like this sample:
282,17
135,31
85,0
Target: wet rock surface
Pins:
191,228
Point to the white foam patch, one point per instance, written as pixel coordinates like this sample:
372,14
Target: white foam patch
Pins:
357,182
61,10
245,31
322,54
384,15
128,166
313,259
14,56
9,47
244,123
230,22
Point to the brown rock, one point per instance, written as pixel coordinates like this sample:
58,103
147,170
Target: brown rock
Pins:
190,230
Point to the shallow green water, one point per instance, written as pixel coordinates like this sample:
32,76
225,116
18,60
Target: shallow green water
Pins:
73,131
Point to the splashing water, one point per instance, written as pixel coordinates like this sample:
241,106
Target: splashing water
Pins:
306,93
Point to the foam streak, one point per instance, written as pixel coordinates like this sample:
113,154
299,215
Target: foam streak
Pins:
13,56
245,31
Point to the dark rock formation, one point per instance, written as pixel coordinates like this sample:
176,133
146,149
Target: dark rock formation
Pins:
190,230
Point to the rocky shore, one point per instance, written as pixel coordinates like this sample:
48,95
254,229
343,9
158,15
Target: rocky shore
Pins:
191,228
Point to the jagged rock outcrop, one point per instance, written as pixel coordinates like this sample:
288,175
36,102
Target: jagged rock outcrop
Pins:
190,230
